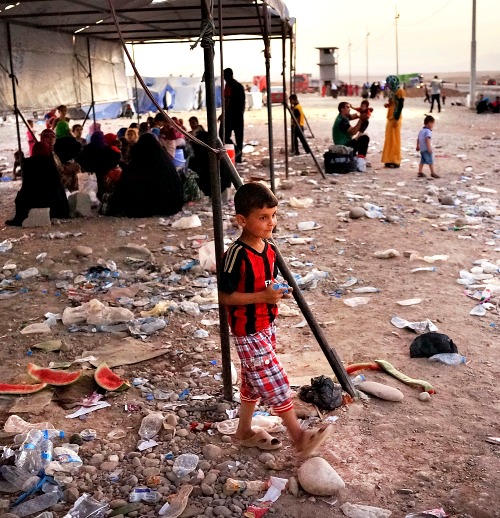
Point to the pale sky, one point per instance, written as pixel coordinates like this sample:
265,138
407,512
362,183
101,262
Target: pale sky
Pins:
434,36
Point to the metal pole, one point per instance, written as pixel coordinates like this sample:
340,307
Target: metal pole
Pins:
283,73
14,89
91,81
267,55
472,99
222,129
367,34
291,82
208,52
294,61
349,46
330,354
136,90
396,18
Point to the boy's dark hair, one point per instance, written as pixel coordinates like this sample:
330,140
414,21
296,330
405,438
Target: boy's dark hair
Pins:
194,119
75,126
293,97
253,196
428,118
365,102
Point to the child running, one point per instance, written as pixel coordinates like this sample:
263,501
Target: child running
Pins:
424,145
246,288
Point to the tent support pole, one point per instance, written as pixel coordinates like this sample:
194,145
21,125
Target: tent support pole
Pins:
222,128
283,75
267,54
136,90
299,129
208,52
91,81
330,354
292,82
14,89
87,115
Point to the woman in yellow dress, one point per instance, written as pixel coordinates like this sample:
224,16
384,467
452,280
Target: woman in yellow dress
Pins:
391,155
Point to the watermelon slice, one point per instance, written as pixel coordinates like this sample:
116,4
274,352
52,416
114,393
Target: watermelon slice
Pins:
52,376
108,380
6,388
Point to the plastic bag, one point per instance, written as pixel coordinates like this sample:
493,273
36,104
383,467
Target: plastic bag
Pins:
187,222
429,344
323,393
206,256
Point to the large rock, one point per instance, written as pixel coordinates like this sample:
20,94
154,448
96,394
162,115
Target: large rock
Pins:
212,452
80,205
37,218
364,511
318,478
135,251
357,212
381,391
82,251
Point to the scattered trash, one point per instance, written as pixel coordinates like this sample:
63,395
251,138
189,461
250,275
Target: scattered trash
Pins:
185,464
448,358
177,503
356,301
322,392
187,222
364,511
424,269
308,225
438,513
419,327
409,302
430,344
300,203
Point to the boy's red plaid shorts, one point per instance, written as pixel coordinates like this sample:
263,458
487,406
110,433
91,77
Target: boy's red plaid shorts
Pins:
261,372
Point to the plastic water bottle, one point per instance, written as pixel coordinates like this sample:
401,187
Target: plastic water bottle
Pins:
25,274
46,451
46,434
29,457
358,379
36,505
448,358
185,464
151,425
19,478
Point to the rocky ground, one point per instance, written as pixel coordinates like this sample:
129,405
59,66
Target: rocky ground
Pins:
403,457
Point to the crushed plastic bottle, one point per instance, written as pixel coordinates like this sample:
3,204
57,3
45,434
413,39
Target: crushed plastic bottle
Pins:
19,478
29,457
151,496
26,274
424,269
37,504
151,425
87,507
448,358
185,464
358,379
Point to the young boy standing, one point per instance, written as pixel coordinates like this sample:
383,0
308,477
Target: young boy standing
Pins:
424,145
246,288
298,134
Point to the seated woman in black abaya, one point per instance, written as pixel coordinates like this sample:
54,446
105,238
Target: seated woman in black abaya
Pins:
149,184
41,187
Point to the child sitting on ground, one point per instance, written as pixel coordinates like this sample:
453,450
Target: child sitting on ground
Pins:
246,288
425,147
364,109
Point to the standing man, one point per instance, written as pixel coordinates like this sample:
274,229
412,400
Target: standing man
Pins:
436,93
234,102
344,134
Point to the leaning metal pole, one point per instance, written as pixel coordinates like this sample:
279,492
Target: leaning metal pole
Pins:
207,43
284,32
91,81
267,55
14,89
330,354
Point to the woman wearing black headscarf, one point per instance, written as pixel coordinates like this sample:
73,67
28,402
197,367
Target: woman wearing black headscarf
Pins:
100,159
149,185
41,187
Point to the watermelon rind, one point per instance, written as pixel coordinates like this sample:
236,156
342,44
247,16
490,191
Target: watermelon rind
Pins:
108,380
54,377
20,389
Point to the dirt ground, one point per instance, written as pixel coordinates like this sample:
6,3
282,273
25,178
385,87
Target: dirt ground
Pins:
404,457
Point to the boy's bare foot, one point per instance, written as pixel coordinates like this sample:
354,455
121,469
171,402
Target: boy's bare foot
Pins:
311,440
260,439
422,175
435,175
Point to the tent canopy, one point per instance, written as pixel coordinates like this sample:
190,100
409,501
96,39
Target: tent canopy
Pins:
144,20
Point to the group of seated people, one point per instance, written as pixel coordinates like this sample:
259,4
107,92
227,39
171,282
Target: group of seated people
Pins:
484,105
134,168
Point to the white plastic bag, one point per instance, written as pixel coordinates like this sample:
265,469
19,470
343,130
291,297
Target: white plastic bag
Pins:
187,222
206,256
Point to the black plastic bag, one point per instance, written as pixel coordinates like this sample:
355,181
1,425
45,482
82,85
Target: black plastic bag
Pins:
429,344
323,393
